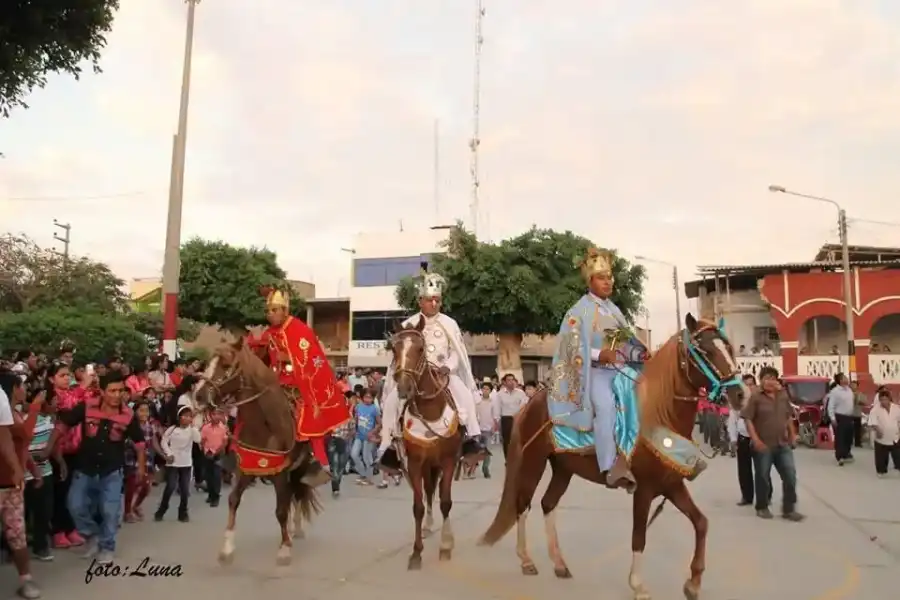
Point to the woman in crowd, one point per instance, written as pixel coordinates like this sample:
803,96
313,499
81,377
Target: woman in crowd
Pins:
65,398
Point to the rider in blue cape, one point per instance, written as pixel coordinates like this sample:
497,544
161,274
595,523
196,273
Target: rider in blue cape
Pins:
594,346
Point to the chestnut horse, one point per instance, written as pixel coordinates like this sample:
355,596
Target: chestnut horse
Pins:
430,458
698,357
236,377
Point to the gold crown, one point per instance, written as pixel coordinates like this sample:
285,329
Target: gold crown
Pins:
277,298
596,262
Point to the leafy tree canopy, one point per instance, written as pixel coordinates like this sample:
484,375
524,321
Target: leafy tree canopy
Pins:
32,278
523,285
220,284
96,337
151,325
48,36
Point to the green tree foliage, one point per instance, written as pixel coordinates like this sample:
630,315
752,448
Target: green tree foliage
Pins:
151,325
523,285
96,337
32,277
48,36
220,284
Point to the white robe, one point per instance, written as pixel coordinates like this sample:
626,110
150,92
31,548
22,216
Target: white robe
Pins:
444,347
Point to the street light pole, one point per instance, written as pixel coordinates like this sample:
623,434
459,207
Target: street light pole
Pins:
172,260
845,266
678,324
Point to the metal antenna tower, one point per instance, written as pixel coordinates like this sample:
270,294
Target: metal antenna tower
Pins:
475,141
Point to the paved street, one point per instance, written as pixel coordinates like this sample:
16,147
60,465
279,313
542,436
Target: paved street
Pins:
359,545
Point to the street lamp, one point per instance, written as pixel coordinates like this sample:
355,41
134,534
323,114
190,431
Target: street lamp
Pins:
845,265
674,286
172,259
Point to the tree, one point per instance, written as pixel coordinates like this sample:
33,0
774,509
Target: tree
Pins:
221,284
32,277
96,337
520,286
51,36
151,326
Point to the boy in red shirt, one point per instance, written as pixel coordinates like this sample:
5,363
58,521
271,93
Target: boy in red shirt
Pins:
213,441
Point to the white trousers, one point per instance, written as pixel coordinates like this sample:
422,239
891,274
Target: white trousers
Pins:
463,397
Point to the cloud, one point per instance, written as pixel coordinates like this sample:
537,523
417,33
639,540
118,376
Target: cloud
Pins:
649,127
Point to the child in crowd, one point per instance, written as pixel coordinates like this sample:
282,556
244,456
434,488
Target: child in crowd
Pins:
214,441
39,492
177,445
136,490
367,418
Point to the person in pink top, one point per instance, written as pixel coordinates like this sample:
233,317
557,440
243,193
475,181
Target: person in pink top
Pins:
138,381
213,441
65,398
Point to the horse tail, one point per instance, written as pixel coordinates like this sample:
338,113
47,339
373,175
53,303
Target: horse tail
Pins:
305,497
656,513
508,511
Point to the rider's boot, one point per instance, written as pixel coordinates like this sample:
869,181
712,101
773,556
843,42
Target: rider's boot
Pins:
390,461
620,475
315,474
473,446
698,467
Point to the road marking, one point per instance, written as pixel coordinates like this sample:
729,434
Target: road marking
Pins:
847,587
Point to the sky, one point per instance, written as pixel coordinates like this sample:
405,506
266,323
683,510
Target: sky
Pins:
649,126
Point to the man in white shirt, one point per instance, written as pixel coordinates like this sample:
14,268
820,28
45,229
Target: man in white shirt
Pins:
884,421
357,379
840,403
485,409
506,403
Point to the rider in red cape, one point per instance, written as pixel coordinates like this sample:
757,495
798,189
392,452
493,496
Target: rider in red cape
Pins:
296,354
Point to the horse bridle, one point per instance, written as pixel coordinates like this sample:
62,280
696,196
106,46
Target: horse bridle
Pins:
419,369
694,354
230,375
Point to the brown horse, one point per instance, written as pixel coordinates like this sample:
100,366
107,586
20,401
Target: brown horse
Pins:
699,357
432,457
236,377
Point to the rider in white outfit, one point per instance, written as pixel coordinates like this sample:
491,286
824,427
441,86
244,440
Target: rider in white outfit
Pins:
445,348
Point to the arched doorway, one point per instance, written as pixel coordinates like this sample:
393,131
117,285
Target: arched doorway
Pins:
884,350
822,347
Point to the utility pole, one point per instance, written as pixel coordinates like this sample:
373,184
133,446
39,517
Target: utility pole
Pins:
845,267
437,173
848,293
678,324
64,238
172,260
475,141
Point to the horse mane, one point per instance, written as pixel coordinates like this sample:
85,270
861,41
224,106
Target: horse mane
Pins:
255,370
272,402
657,387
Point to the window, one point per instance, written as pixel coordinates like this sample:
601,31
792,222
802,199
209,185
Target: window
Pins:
375,324
371,272
766,336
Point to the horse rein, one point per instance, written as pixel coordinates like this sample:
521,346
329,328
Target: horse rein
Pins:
415,374
234,373
690,353
419,369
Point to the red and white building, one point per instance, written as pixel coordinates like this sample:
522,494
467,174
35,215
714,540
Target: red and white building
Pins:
797,310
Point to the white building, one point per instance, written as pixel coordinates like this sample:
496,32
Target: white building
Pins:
380,262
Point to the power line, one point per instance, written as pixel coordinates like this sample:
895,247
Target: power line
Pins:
71,198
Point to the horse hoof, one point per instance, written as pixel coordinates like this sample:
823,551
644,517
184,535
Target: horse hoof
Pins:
563,573
530,569
642,596
445,554
690,592
415,563
299,535
283,560
226,558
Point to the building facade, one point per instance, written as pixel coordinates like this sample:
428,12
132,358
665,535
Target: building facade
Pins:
796,312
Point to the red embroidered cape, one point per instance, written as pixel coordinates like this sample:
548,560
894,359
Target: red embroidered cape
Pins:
321,405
